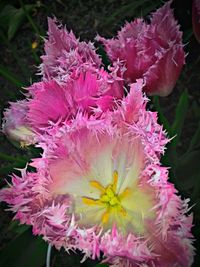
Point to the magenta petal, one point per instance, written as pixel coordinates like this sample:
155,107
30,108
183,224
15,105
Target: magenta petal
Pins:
64,53
49,105
62,200
150,51
166,27
90,93
162,76
196,19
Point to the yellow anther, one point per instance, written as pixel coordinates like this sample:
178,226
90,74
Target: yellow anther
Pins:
124,194
115,180
91,202
109,191
97,185
108,199
114,201
105,198
105,216
123,211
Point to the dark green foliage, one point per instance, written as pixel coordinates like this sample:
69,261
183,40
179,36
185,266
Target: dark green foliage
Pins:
22,23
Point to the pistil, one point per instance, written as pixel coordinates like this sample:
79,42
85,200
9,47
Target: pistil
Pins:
108,198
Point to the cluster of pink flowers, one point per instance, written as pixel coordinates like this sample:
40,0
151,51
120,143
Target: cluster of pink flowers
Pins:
99,186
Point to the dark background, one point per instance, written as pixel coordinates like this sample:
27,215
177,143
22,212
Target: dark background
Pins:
24,22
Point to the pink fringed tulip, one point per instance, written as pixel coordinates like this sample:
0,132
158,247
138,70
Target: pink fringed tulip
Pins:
64,53
16,125
91,93
151,51
50,102
196,19
73,82
100,188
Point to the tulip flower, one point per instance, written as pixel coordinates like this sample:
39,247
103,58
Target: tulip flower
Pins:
151,51
65,53
99,187
73,82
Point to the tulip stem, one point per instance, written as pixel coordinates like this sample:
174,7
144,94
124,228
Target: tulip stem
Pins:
48,259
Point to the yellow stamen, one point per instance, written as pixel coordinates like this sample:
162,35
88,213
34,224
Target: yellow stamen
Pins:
105,198
124,194
91,202
109,191
115,180
97,185
114,201
105,216
123,211
108,198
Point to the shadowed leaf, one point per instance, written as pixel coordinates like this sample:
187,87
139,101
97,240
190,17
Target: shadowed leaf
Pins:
24,251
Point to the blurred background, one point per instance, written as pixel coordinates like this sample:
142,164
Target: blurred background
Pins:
23,24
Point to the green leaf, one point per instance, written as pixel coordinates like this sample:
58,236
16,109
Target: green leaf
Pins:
16,21
187,34
5,170
163,120
17,228
32,23
195,142
24,251
104,56
6,157
6,15
181,111
150,7
188,170
123,11
10,77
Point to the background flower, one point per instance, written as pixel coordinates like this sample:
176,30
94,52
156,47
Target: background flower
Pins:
64,53
24,23
153,51
16,125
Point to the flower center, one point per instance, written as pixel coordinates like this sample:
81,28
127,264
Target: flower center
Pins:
108,198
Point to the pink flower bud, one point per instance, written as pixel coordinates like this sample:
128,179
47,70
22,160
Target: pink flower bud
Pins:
16,125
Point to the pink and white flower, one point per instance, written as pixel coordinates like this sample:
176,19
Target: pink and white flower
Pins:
151,51
99,187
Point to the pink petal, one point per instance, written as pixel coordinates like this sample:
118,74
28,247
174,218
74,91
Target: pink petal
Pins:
49,105
64,53
151,51
16,125
90,93
162,76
